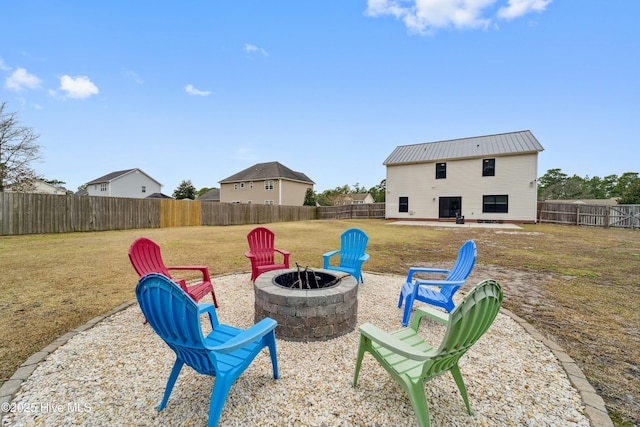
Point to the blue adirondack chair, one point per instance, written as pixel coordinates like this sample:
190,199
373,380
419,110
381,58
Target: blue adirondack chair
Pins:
224,353
353,244
419,289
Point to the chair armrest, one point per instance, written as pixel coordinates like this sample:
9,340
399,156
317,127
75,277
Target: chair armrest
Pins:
422,282
209,309
201,268
363,258
205,307
247,336
388,341
421,312
249,255
414,270
326,258
282,251
330,254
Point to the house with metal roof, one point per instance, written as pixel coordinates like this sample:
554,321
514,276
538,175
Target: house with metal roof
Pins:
483,178
132,183
269,183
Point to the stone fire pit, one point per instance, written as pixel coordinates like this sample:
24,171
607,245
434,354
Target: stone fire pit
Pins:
309,305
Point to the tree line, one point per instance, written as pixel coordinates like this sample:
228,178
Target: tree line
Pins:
556,185
186,190
19,148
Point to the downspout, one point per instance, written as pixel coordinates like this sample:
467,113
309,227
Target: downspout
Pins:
279,191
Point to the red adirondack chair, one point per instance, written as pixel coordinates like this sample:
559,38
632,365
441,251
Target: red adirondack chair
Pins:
146,258
262,252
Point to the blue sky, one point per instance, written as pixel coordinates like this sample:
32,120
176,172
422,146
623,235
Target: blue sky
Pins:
200,90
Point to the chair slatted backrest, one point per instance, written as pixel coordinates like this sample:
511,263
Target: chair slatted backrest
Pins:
173,315
353,244
461,270
467,323
146,258
262,245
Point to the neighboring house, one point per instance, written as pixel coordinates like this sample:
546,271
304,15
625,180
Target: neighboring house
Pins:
212,195
41,187
158,196
491,177
598,202
133,183
266,183
353,199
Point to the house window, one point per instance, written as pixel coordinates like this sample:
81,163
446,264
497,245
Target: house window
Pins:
144,189
403,204
441,170
268,185
268,202
242,185
489,167
495,204
248,202
250,184
235,186
103,187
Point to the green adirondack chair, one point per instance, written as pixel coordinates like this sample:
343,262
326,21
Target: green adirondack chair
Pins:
412,362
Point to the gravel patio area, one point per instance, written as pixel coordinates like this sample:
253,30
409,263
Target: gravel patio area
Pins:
115,374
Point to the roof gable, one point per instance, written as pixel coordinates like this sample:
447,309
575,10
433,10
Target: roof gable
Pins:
213,194
270,170
119,174
522,142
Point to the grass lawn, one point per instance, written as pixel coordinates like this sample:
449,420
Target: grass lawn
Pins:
579,286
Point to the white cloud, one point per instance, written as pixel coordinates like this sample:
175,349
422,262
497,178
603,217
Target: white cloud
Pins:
20,79
251,48
78,87
427,16
132,75
193,91
4,67
518,8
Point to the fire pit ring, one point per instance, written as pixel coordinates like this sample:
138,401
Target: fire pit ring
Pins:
308,314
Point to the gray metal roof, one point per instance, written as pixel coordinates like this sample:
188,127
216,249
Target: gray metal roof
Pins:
270,170
503,144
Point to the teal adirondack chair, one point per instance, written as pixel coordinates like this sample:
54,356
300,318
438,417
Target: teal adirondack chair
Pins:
353,244
412,362
224,353
420,289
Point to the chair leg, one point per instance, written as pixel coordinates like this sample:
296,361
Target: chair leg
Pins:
457,376
361,350
419,402
221,388
177,366
271,343
408,306
400,299
213,295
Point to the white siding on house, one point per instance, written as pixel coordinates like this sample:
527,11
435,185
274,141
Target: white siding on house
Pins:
128,185
514,176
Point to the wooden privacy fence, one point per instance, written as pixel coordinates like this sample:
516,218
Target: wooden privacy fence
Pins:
26,213
614,216
363,211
